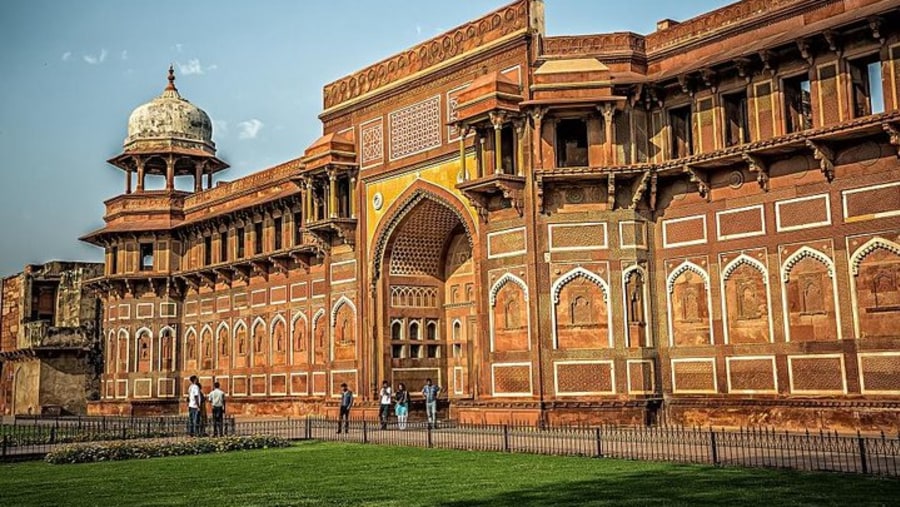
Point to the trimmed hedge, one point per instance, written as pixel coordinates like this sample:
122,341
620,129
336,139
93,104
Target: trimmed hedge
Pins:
142,449
64,437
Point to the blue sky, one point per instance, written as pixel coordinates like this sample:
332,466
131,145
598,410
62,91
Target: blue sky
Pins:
73,71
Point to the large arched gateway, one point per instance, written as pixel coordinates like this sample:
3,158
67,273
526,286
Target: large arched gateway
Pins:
425,283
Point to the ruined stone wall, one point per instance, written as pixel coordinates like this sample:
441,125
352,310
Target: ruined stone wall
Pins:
10,311
62,383
26,379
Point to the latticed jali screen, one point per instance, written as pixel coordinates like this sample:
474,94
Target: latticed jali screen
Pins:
584,378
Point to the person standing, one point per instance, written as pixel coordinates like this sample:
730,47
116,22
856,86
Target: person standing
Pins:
346,405
431,392
386,396
194,397
217,401
402,408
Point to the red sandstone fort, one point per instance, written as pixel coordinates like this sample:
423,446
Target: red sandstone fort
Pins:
696,226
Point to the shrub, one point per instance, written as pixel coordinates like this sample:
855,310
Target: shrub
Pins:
141,449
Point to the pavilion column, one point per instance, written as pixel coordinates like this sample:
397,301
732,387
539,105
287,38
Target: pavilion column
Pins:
140,175
332,194
170,174
537,115
479,154
462,153
608,111
128,180
209,179
498,143
309,202
520,147
352,196
198,176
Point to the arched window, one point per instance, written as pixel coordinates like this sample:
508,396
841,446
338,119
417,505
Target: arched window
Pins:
397,331
431,331
457,331
414,330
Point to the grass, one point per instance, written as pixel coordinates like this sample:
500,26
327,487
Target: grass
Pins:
351,474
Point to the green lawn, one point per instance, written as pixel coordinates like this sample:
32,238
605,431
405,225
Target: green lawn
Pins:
352,474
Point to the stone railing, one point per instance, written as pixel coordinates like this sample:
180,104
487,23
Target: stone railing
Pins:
593,45
40,334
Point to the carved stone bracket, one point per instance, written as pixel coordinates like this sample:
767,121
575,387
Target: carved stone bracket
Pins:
260,267
825,156
686,84
480,203
539,193
758,166
653,189
640,190
805,50
710,79
281,264
893,132
702,183
833,40
744,68
508,186
341,228
241,273
224,276
875,23
207,278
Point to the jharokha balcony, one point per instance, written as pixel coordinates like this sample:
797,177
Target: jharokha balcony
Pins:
328,181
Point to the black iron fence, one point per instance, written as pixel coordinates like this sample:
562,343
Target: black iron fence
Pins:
749,447
753,447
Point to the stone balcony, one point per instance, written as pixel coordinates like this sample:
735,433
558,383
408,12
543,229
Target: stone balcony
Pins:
40,335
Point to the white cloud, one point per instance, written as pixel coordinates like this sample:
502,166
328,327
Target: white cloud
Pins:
418,29
66,56
221,126
178,47
96,60
193,66
124,54
249,129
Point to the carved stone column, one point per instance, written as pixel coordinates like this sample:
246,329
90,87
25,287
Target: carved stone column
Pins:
332,194
609,110
464,131
537,116
170,173
497,122
128,180
140,174
352,196
479,154
198,176
520,147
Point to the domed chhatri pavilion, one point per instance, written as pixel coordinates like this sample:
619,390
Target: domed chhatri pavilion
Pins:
170,137
699,226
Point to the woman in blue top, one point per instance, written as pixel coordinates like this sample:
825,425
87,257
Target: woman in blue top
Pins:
402,408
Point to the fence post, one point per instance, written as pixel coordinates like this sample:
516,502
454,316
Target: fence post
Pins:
712,443
428,436
599,442
365,432
505,438
308,428
862,452
52,435
5,443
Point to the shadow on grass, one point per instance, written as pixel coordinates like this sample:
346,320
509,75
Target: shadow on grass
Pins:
692,485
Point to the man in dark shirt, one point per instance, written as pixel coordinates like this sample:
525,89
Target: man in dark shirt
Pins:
346,405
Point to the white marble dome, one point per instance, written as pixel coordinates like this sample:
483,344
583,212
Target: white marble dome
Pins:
169,120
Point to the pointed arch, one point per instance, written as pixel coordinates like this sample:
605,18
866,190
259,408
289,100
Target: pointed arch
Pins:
220,343
403,205
343,300
746,260
316,316
803,253
557,287
299,314
256,323
686,266
166,340
295,322
573,274
189,334
138,338
236,348
867,248
503,280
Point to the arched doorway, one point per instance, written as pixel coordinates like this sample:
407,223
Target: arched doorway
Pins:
427,296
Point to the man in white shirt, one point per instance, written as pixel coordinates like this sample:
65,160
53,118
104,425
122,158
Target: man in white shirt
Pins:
386,396
194,407
217,400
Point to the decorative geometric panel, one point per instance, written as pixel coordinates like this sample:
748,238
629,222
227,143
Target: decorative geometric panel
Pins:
278,384
299,291
641,376
585,236
144,311
415,128
166,387
452,101
574,378
257,385
240,300
239,386
207,306
741,223
190,308
458,380
278,294
504,243
802,213
258,298
414,378
319,384
872,202
512,379
632,234
684,231
343,272
751,374
299,383
880,372
223,304
339,377
142,387
421,240
693,376
318,288
372,146
816,374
